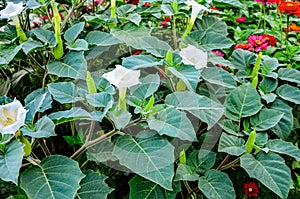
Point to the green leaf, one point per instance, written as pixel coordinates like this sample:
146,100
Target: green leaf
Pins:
289,93
11,161
283,147
188,74
142,188
219,77
209,25
242,59
243,101
125,9
140,61
135,18
268,64
268,85
30,45
266,119
101,152
64,92
101,39
201,160
69,115
45,36
8,53
214,41
93,186
56,177
234,3
148,86
38,101
270,169
231,144
284,127
43,128
200,106
148,155
173,123
154,46
216,185
99,99
79,45
131,36
74,66
289,74
72,33
229,126
105,86
185,172
120,117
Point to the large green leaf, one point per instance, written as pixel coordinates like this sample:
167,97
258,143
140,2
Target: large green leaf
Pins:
284,127
78,45
135,18
201,160
72,33
125,9
74,66
289,93
45,36
37,101
148,155
270,169
101,152
216,185
131,36
102,99
155,46
243,101
173,123
101,39
141,188
283,147
11,161
219,77
210,25
69,115
188,74
120,117
235,3
55,177
93,186
185,172
43,128
268,64
64,92
289,74
214,41
266,119
30,45
148,86
200,106
140,61
242,59
8,53
231,144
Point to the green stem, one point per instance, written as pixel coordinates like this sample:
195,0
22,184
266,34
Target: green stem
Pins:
229,165
113,13
259,20
287,27
122,98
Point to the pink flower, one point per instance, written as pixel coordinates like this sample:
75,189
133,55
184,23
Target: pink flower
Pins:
217,52
164,24
241,19
248,47
268,2
258,42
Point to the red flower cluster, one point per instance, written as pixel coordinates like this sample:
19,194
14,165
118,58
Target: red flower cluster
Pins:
241,19
258,42
251,189
289,8
165,23
147,4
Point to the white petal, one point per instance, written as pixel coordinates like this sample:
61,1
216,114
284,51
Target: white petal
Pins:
194,56
11,10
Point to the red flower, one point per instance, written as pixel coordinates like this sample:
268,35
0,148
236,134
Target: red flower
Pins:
133,2
147,4
167,19
244,47
137,52
270,39
214,8
251,189
293,27
289,8
164,24
217,52
258,42
241,19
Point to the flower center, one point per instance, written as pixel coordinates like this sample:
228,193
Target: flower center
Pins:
289,4
8,121
250,189
258,42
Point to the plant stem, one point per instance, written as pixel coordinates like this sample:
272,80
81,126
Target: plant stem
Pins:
229,165
89,144
223,162
287,27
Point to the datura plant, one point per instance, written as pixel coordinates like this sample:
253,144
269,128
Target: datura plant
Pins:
148,99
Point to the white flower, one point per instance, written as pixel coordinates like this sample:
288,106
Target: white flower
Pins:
122,77
196,8
193,56
11,10
12,117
